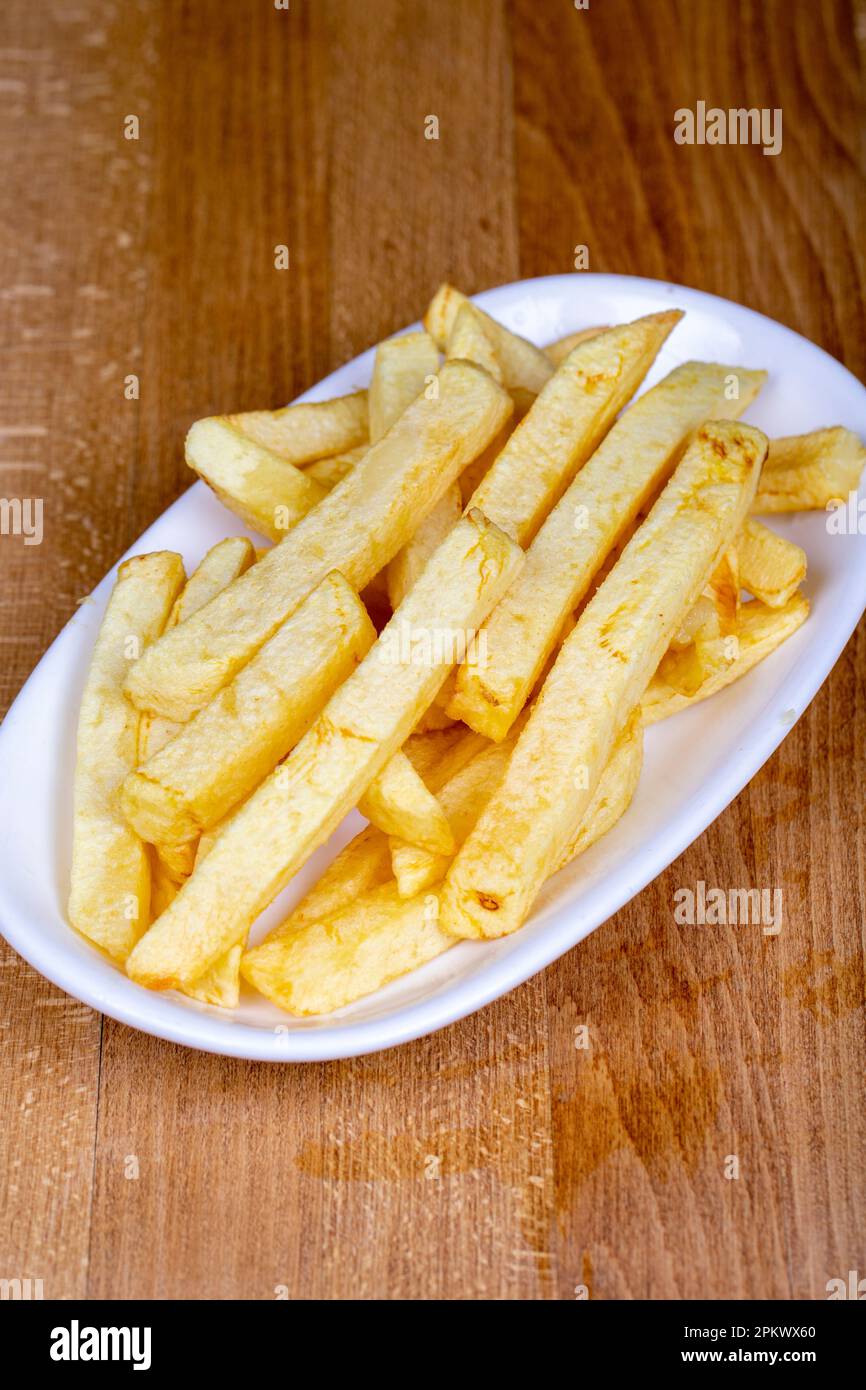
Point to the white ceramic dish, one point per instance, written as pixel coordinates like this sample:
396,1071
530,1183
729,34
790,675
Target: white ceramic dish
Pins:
695,763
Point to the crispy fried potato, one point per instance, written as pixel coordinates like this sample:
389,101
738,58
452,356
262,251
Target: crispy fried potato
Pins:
558,351
327,472
761,630
332,958
805,471
591,519
771,568
221,984
300,433
109,901
470,340
222,754
398,802
570,417
357,529
703,643
406,567
403,367
602,670
261,488
224,562
523,365
302,802
462,799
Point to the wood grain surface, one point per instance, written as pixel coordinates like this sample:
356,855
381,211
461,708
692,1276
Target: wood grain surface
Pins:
497,1159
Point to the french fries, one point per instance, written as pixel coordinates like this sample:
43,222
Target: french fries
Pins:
524,366
558,351
265,491
356,529
398,802
760,631
587,524
570,417
771,568
231,745
600,675
300,433
296,808
810,471
109,900
329,958
494,728
403,368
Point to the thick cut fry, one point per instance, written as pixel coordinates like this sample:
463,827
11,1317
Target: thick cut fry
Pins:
600,675
706,638
761,630
398,802
224,562
571,415
470,340
327,472
771,568
221,984
109,899
807,471
405,568
332,958
235,741
357,529
303,801
558,351
524,366
311,430
402,369
462,799
264,490
589,522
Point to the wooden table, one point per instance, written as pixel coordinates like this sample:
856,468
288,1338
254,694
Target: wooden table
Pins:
496,1159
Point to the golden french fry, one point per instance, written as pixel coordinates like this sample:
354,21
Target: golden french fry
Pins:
301,803
557,352
568,420
523,365
224,562
761,630
300,433
357,529
109,899
462,799
336,956
235,741
408,564
469,339
261,488
616,787
327,472
705,640
221,984
771,568
805,471
480,467
602,670
402,369
586,526
399,803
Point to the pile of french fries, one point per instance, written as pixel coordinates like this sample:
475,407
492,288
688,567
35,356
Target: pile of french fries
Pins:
487,577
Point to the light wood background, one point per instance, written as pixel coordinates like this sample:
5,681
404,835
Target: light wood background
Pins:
494,1160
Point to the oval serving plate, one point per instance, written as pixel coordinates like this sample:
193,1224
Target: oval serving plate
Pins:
695,763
